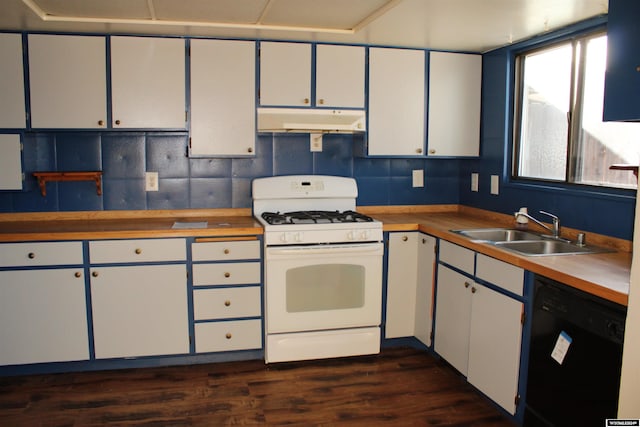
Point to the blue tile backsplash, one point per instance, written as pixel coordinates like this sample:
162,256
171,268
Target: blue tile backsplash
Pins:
185,182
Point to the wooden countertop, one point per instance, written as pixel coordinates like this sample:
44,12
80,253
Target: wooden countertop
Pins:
605,274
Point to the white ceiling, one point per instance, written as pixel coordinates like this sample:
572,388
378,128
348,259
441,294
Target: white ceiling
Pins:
466,25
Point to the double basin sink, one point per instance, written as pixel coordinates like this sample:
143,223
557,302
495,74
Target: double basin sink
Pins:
526,242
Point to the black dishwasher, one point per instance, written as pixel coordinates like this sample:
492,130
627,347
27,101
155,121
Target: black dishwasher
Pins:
575,357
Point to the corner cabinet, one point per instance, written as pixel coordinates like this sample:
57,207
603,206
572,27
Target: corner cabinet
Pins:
139,297
12,107
43,305
396,125
222,96
148,82
68,81
622,78
478,321
411,262
455,81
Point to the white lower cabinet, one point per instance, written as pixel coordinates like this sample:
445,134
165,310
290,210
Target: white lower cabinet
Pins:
139,310
478,330
410,286
43,316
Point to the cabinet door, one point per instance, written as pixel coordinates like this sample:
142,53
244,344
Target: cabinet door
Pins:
12,107
455,81
139,310
43,316
622,78
285,74
401,285
10,162
148,82
494,346
453,317
68,83
424,290
223,91
340,76
396,102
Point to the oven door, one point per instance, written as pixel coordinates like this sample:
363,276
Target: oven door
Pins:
323,287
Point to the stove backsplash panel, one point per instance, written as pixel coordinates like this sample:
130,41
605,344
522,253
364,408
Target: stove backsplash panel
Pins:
185,182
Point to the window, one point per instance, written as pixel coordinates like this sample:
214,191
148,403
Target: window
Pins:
559,132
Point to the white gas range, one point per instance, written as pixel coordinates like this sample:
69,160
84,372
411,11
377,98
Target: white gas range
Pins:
323,268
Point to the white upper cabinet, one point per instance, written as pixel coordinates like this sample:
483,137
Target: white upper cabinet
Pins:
223,88
396,102
340,76
285,74
67,77
12,107
455,81
148,82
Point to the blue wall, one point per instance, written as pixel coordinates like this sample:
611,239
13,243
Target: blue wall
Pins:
184,182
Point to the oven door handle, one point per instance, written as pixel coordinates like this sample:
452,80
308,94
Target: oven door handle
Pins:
325,250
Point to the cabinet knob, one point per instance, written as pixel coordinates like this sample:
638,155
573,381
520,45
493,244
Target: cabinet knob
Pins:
117,122
78,274
467,284
432,151
95,274
249,150
473,290
227,303
321,101
226,251
31,255
306,100
419,150
424,241
138,251
405,238
228,336
227,274
100,122
638,68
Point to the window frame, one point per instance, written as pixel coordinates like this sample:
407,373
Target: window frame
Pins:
567,36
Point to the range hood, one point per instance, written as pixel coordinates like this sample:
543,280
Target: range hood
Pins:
309,120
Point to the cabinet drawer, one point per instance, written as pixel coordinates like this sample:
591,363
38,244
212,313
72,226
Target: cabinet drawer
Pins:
507,276
226,303
116,251
227,336
456,256
218,251
240,273
38,254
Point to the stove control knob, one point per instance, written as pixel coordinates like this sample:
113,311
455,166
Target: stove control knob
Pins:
297,237
365,235
283,238
351,235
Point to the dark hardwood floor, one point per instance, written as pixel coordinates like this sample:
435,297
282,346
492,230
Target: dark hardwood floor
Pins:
401,387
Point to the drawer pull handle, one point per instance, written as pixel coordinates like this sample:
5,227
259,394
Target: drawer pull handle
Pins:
95,274
227,303
227,274
78,274
226,251
31,255
405,238
138,251
228,336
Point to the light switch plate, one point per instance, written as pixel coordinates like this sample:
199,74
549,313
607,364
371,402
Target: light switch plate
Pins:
475,177
418,178
151,181
495,179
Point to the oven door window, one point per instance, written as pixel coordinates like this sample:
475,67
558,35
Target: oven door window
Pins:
325,287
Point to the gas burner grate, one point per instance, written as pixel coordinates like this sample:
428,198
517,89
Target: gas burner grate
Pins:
314,217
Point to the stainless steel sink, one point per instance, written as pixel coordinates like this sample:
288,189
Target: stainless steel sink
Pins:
547,247
498,234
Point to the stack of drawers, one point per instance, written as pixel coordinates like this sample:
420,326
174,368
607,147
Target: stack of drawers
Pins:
227,297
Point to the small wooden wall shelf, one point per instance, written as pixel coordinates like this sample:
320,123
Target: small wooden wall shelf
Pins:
44,177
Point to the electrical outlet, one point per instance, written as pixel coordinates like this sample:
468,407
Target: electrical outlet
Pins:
315,139
475,177
418,178
495,180
151,181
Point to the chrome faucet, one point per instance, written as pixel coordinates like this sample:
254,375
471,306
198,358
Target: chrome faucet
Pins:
555,231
